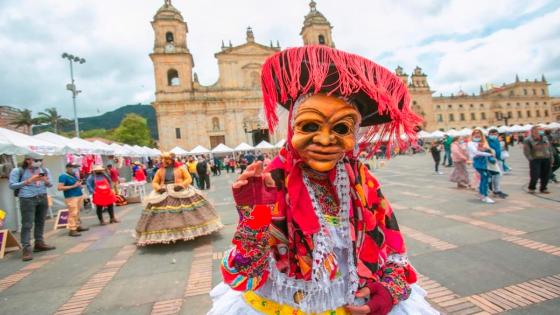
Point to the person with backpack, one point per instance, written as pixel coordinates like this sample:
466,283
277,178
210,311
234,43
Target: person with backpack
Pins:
71,187
29,183
99,184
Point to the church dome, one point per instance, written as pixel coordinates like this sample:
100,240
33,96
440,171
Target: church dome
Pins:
314,16
168,12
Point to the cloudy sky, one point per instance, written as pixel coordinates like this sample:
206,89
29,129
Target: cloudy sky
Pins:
460,44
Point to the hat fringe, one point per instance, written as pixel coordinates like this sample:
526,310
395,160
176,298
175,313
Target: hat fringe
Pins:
280,84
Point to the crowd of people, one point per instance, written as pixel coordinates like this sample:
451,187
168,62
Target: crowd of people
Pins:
488,157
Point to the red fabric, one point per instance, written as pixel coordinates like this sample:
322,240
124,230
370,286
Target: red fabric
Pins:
381,301
114,174
103,194
139,175
281,83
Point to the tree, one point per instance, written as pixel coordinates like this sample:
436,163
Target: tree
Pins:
51,117
24,119
133,130
97,133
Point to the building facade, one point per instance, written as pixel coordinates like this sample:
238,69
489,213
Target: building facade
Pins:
7,115
230,110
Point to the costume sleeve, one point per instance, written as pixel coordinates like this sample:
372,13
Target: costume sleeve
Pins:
157,180
187,180
397,274
245,267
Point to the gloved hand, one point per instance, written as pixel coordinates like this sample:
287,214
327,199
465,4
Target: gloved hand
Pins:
162,190
178,188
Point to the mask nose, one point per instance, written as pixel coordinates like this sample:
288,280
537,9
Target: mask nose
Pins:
324,137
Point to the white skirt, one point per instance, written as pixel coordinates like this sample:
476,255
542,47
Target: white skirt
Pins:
227,301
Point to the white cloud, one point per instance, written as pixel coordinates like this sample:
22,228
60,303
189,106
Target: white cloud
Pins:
459,43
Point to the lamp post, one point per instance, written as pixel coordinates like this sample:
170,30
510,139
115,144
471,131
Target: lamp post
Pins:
503,117
72,87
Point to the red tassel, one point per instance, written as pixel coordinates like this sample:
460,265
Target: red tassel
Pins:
281,84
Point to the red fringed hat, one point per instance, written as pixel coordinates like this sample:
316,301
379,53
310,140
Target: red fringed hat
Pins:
379,95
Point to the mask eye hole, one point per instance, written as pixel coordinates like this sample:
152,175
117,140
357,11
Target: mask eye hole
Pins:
310,127
341,129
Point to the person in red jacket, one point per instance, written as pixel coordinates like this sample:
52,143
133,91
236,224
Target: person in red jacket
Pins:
316,235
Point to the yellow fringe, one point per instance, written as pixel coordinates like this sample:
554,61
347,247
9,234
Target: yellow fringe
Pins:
269,307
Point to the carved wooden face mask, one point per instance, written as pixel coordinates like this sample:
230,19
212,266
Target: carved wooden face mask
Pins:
324,130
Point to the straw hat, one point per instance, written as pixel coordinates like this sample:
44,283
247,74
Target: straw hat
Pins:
136,163
98,168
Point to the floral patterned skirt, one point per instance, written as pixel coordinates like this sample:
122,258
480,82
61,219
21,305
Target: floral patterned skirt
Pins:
175,216
460,174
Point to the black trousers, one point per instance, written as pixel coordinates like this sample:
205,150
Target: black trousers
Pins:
203,181
539,169
99,210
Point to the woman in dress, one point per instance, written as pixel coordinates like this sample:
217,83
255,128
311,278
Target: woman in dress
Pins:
315,233
174,209
460,157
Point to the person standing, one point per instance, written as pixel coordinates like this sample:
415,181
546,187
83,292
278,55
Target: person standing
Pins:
71,187
538,150
30,182
447,160
202,170
191,167
480,152
114,176
460,157
99,184
496,179
436,155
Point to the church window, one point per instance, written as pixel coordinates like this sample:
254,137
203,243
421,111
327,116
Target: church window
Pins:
508,105
511,93
538,113
543,92
528,114
172,77
471,105
460,105
169,37
534,92
178,133
438,106
440,118
450,106
481,105
524,91
510,115
215,124
462,116
321,40
451,117
517,104
519,114
473,116
482,116
537,103
546,113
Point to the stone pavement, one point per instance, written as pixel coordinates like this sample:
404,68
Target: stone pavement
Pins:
473,258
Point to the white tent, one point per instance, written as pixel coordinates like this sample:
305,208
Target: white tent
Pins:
179,151
15,143
199,150
243,147
465,132
515,128
263,145
553,125
102,145
86,147
119,150
59,140
526,127
222,148
503,129
280,143
423,134
437,134
452,132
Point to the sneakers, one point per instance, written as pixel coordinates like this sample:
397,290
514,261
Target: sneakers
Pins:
114,220
501,194
531,191
487,200
545,191
82,229
74,233
438,173
42,247
26,255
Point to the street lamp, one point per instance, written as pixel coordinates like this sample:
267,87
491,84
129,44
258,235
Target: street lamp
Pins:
72,87
503,117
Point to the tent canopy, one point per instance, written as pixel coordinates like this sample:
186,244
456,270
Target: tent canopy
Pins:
222,148
437,134
13,142
280,143
243,147
199,150
263,145
179,151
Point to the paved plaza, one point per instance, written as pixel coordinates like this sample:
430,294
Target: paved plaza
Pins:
473,258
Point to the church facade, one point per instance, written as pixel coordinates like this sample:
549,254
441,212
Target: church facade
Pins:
230,110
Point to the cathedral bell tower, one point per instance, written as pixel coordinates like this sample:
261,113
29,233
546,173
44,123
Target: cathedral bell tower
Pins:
172,60
316,28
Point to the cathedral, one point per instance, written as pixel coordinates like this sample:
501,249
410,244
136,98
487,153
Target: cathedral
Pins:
230,110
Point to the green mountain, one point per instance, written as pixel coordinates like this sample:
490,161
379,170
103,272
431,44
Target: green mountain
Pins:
111,120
